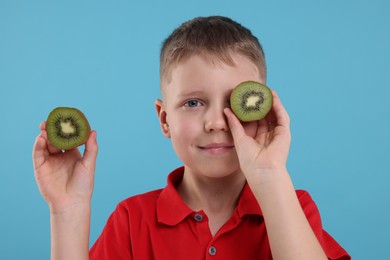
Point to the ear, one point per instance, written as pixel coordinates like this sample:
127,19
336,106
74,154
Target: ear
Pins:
162,116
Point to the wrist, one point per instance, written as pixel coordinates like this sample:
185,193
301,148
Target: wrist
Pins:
268,176
70,212
70,230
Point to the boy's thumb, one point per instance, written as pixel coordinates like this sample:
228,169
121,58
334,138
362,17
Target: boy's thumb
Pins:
90,152
235,126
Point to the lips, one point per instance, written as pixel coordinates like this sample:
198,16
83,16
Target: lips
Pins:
217,148
217,145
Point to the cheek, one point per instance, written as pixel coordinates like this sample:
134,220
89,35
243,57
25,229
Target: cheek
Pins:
184,135
184,129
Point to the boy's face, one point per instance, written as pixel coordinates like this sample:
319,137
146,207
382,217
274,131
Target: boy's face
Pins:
192,113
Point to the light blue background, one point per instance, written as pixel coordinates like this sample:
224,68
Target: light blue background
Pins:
329,61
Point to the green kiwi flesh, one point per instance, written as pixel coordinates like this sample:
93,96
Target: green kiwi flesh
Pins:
251,101
67,128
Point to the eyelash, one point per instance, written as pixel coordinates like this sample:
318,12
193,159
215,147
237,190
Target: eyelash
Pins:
198,103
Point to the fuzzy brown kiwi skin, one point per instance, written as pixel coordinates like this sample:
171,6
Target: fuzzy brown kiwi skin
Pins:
63,143
236,100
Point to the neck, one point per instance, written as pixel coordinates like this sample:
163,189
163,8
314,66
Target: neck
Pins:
213,195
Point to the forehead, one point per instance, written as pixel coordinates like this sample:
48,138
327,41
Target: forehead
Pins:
197,68
210,75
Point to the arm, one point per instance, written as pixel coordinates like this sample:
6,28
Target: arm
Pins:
65,180
263,160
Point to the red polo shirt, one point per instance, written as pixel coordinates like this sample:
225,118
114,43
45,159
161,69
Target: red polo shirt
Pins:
159,225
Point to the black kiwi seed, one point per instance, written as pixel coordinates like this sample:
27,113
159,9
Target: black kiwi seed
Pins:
67,128
251,101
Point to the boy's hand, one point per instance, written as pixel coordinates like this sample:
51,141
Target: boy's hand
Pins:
263,161
65,179
268,149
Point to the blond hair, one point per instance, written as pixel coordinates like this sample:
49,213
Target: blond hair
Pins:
213,37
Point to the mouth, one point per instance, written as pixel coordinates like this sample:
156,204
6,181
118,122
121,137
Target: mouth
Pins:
217,148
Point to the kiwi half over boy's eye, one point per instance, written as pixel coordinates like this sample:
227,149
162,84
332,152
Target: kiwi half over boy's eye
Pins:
251,101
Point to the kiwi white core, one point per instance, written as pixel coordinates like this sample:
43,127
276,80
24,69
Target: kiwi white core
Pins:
251,101
67,128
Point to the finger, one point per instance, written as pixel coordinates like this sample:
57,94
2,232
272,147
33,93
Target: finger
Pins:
262,127
90,152
235,126
279,112
40,152
43,125
52,149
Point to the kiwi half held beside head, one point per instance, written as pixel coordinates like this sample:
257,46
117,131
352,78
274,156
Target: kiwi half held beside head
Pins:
251,101
67,128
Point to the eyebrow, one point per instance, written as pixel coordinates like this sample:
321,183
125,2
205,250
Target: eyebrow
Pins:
191,93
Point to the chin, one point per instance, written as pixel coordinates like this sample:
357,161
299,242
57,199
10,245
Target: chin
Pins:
215,172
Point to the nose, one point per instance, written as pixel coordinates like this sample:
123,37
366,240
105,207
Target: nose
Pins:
216,120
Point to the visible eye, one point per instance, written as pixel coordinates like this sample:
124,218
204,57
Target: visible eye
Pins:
192,103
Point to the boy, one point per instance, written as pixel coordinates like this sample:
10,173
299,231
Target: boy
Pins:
232,199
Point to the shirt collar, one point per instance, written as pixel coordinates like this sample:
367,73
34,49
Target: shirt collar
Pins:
171,209
247,204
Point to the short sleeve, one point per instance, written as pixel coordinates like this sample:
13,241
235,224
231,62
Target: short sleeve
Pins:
114,242
332,249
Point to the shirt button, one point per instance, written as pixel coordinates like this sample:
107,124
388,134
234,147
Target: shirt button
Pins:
212,250
198,217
